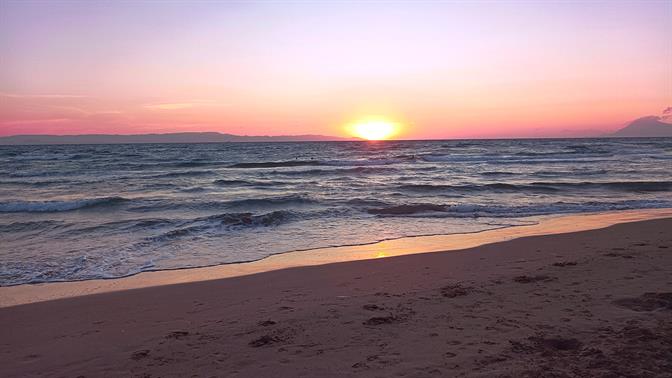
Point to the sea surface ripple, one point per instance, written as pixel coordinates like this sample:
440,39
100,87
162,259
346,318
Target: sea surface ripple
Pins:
105,211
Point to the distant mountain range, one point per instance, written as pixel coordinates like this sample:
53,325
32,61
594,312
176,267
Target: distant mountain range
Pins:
192,137
651,126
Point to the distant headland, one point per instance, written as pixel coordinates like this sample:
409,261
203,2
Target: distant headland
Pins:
189,137
651,126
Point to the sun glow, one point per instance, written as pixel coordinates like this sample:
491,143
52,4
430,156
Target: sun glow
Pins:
374,129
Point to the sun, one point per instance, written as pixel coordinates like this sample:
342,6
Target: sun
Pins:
376,129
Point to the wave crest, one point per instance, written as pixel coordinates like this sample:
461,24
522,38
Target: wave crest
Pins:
516,211
544,186
226,221
276,164
57,206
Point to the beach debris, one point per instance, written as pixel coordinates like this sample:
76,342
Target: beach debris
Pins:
140,354
378,320
267,323
621,255
177,335
455,290
647,302
557,343
264,340
531,279
372,307
360,365
540,344
565,263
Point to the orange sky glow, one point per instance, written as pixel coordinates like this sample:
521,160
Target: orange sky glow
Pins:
440,70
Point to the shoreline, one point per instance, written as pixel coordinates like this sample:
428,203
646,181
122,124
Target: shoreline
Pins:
592,303
549,225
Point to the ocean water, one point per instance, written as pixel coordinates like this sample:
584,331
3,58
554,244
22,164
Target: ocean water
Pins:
103,211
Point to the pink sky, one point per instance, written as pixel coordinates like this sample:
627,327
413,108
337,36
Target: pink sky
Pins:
444,70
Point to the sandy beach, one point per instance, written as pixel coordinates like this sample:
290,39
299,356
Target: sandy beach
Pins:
318,189
592,303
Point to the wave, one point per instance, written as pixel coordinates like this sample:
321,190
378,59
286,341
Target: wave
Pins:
30,173
193,189
499,173
364,202
276,164
370,162
500,186
225,221
255,183
122,226
558,173
29,226
502,211
499,211
338,171
509,160
38,184
159,186
178,227
565,154
626,186
273,218
191,164
408,209
328,163
232,182
294,199
147,205
57,206
540,186
182,174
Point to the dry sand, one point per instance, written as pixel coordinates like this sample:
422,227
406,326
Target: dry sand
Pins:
590,304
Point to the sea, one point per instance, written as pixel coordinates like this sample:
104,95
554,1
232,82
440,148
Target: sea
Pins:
78,212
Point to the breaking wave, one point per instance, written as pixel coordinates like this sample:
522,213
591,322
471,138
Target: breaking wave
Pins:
499,211
56,206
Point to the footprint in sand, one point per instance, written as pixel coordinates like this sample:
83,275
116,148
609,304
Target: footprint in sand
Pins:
621,255
373,307
378,320
537,344
563,264
456,290
177,335
264,340
647,302
140,354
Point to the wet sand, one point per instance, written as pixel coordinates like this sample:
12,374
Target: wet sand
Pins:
22,294
592,303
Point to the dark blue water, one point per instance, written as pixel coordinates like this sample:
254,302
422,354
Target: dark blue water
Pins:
92,211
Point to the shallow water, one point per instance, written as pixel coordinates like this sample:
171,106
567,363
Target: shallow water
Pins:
82,212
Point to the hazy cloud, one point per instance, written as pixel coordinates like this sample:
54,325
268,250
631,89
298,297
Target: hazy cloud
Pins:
182,105
17,95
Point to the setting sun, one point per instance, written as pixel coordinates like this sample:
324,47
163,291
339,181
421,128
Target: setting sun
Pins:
374,129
